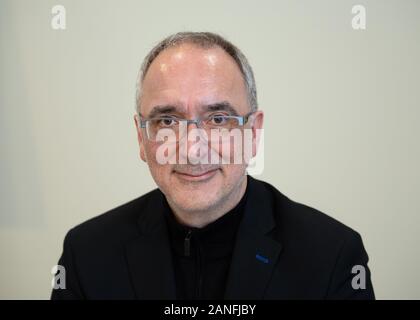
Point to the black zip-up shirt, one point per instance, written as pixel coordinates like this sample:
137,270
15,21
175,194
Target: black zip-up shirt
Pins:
202,256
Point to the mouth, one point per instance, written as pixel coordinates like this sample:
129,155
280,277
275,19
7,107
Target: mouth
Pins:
197,176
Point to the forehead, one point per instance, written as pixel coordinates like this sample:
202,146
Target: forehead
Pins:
189,76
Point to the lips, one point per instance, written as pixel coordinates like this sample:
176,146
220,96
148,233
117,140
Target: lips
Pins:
193,175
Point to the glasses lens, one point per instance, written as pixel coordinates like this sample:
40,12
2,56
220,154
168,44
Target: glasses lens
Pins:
221,122
154,126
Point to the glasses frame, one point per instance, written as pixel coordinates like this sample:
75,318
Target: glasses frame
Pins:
242,120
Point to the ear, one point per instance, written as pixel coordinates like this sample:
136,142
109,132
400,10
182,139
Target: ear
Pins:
140,137
257,126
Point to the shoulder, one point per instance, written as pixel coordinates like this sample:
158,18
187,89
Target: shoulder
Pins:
318,252
116,225
301,223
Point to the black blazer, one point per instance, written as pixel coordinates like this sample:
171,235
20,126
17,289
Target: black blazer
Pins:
284,250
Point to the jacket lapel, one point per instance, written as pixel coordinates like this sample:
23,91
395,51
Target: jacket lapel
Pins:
255,253
149,256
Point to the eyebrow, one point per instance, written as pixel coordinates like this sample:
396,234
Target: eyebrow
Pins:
161,110
168,109
221,106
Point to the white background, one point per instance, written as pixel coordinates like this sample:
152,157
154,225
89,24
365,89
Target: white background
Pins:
341,130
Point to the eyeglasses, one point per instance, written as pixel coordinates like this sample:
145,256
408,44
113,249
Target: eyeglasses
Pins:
208,123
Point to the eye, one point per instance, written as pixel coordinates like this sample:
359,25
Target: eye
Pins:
167,122
218,119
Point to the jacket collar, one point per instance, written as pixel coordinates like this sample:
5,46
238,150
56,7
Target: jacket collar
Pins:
149,256
255,253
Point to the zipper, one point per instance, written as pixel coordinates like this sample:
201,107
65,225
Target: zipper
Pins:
187,253
199,271
187,244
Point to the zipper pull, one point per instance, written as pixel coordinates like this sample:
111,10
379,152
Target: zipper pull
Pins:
187,244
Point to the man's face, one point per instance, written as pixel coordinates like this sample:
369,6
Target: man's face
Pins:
186,80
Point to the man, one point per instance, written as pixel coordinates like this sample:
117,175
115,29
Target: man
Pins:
210,231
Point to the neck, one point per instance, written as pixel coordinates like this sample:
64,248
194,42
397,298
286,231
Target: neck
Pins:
199,219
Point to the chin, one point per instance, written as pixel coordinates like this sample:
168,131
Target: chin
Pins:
195,199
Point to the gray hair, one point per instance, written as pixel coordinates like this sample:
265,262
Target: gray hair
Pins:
204,40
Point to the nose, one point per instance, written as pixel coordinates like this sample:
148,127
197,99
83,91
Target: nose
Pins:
194,147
